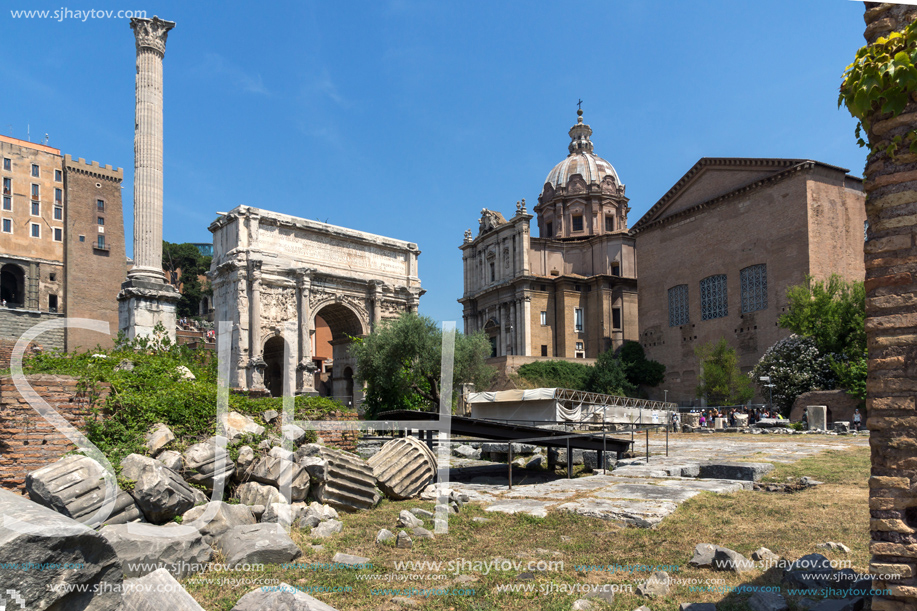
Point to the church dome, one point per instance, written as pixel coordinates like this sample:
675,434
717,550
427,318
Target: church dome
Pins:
582,161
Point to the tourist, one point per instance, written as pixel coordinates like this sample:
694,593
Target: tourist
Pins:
857,419
702,421
674,422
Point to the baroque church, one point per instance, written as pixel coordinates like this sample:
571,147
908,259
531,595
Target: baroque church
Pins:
571,292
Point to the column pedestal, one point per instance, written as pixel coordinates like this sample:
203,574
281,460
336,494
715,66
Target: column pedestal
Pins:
142,305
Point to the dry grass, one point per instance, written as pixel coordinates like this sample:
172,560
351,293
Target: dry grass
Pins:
789,524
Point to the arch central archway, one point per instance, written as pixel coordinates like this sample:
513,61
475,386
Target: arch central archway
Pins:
273,371
337,380
12,284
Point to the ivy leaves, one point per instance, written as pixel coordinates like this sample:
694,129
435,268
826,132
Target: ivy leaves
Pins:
881,79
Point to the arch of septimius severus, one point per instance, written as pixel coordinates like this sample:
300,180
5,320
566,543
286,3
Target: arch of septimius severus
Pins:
269,269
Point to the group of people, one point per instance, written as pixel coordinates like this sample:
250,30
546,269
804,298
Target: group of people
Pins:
708,417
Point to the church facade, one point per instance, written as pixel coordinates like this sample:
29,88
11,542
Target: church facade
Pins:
570,292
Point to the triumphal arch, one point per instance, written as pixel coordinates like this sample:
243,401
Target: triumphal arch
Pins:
334,283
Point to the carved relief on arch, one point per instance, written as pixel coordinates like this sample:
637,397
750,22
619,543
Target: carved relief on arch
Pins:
278,305
576,184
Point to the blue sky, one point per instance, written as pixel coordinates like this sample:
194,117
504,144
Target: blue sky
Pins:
405,118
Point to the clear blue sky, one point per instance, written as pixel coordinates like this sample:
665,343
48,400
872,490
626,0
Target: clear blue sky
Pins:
405,118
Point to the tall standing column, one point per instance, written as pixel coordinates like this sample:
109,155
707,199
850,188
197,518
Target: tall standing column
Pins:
145,299
306,367
256,363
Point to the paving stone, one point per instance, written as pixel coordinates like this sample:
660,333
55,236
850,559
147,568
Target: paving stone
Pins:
533,508
734,470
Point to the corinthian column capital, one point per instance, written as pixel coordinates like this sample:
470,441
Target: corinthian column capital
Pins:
151,33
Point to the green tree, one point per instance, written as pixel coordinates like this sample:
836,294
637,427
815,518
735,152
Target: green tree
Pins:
641,371
400,362
556,374
721,381
183,264
609,376
833,314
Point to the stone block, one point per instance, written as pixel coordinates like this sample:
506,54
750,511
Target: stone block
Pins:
157,591
171,459
403,467
216,517
350,560
817,416
406,519
327,528
45,537
767,601
73,486
283,597
719,424
234,426
343,481
725,559
208,465
257,544
748,471
143,548
466,451
159,492
384,536
253,493
157,438
657,585
282,473
703,555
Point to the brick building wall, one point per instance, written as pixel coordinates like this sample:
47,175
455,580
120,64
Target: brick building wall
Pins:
95,270
27,440
13,323
802,221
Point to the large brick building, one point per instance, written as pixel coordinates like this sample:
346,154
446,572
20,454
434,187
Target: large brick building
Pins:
61,243
572,291
720,249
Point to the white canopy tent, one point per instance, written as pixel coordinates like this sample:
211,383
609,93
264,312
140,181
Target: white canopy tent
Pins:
557,405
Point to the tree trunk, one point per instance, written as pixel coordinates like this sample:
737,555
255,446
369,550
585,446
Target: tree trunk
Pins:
891,331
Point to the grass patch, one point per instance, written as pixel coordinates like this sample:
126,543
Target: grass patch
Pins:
791,525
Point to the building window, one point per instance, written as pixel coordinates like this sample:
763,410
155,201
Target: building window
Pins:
100,220
544,350
493,272
58,176
52,277
678,305
7,226
550,230
35,170
7,186
101,243
35,191
7,163
36,230
544,319
754,288
7,202
578,222
82,238
52,303
36,209
580,352
58,234
578,318
609,223
58,196
615,269
615,318
58,213
100,205
713,302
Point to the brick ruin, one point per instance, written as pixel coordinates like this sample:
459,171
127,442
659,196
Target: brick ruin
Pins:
891,328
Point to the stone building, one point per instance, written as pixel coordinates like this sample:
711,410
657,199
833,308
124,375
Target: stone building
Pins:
719,250
333,283
571,292
61,243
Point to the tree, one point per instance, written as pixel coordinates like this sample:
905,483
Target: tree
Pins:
184,263
556,374
832,313
609,376
721,381
641,371
794,365
400,362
